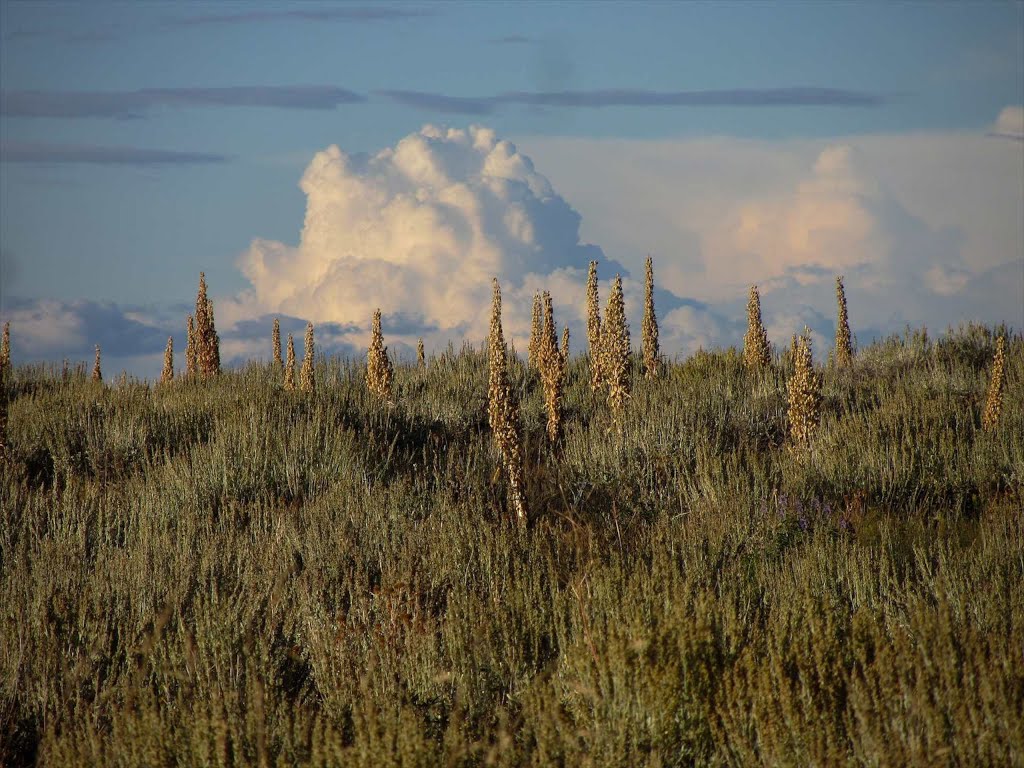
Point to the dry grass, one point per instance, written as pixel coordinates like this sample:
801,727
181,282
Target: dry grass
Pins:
221,574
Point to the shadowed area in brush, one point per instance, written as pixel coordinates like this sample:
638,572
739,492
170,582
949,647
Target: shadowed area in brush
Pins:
223,572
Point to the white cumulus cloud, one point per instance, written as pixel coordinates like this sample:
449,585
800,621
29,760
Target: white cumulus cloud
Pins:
419,230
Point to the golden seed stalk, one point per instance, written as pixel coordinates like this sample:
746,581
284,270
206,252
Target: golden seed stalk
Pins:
844,348
994,401
205,335
306,381
421,355
594,328
552,371
804,394
649,327
5,348
615,344
502,410
289,366
167,375
536,329
97,372
756,351
275,338
379,373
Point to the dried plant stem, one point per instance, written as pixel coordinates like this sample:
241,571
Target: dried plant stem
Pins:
994,401
502,410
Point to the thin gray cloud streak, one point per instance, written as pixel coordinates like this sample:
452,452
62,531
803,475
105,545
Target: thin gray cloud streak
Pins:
739,97
359,14
138,104
513,40
31,152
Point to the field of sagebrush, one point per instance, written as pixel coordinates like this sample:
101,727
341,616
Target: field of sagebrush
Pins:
226,573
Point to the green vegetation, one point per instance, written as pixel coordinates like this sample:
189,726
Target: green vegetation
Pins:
221,572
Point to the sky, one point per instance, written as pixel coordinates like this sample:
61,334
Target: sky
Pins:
319,160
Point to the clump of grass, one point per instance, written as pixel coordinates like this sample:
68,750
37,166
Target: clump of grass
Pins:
536,330
289,366
804,393
97,371
275,340
306,381
756,350
615,349
844,346
552,371
379,373
594,328
167,374
503,411
206,339
649,328
994,400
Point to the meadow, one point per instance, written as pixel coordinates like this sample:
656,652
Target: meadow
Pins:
222,572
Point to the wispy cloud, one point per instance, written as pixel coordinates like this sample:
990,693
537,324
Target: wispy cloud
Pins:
632,97
357,14
1009,124
438,102
33,152
139,103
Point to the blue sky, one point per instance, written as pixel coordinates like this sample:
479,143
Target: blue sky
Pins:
144,142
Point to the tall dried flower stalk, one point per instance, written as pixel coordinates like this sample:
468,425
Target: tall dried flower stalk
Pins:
552,371
5,348
994,401
536,329
844,349
167,375
615,348
306,381
275,338
502,410
804,393
421,355
97,373
289,366
649,328
379,373
207,341
756,352
594,328
191,351
565,345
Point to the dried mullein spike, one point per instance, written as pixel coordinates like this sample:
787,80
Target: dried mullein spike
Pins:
594,328
756,352
275,339
615,348
651,351
565,345
205,335
289,366
994,401
5,348
191,352
552,371
97,372
421,355
502,410
804,389
167,375
379,373
844,348
306,380
536,327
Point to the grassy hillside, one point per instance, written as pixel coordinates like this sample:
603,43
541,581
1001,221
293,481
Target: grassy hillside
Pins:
225,573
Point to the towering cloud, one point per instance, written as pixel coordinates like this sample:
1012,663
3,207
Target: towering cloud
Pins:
418,230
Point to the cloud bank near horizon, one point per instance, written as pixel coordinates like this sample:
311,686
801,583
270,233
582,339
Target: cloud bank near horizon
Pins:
926,229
